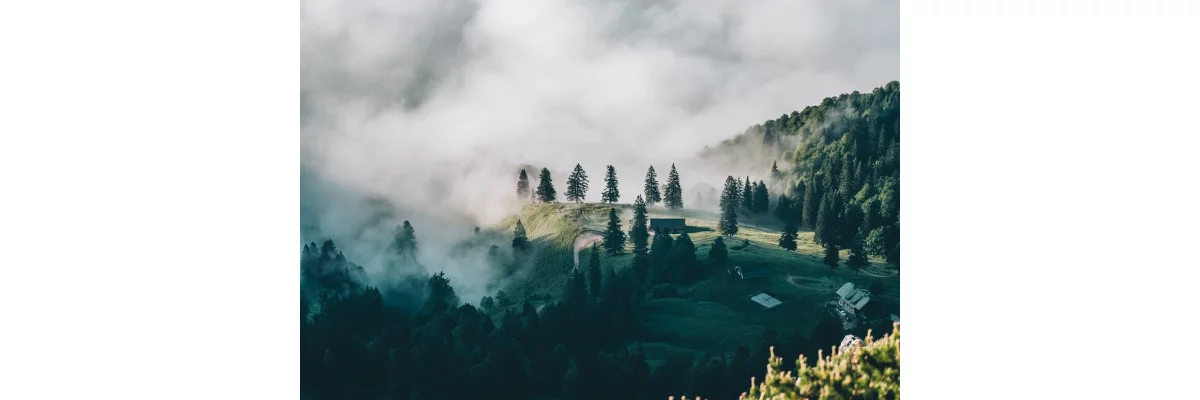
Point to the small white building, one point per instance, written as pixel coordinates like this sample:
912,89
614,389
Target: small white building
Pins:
765,300
851,298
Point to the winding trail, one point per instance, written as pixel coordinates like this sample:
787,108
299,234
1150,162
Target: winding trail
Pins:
585,239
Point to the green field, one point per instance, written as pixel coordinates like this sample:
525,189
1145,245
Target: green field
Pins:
715,314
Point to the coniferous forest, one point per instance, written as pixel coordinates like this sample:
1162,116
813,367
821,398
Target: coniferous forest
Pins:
833,170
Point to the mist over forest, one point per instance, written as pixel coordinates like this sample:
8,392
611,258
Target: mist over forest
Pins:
424,110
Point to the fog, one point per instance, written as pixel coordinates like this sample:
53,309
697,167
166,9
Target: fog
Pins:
423,110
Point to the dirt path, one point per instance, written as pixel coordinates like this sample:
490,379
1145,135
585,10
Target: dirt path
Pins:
584,240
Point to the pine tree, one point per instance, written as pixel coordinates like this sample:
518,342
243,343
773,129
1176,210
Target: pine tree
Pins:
611,194
682,257
577,185
523,185
775,174
641,265
812,202
748,196
638,231
593,271
674,192
788,239
831,255
651,188
783,209
614,237
729,208
858,256
404,242
519,241
545,189
718,254
762,200
826,228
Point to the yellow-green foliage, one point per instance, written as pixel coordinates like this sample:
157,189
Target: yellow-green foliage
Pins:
868,372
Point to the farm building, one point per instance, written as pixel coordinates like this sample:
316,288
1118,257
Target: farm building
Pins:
751,272
765,300
851,298
671,225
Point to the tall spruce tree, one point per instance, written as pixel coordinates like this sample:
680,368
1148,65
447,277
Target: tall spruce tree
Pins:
717,254
577,185
523,185
611,194
614,237
812,201
682,258
783,209
762,200
638,232
748,196
593,272
831,255
404,242
651,188
775,174
519,241
674,192
787,240
545,189
729,207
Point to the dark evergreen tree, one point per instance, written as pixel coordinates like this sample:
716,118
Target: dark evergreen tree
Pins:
682,258
831,255
788,239
610,194
858,256
523,185
651,188
775,174
614,237
638,231
812,202
674,193
783,209
825,222
729,208
762,200
440,295
577,185
404,243
718,255
519,241
593,271
747,196
545,189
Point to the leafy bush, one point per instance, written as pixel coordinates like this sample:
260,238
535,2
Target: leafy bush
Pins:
871,371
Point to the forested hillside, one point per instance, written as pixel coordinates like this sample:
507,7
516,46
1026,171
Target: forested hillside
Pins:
637,316
838,165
